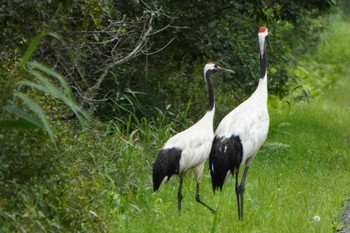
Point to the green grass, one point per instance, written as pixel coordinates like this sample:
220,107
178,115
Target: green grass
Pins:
302,171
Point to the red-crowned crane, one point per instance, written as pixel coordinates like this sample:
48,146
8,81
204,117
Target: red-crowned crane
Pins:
189,148
241,133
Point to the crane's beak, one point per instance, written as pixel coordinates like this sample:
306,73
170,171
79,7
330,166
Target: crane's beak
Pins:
225,70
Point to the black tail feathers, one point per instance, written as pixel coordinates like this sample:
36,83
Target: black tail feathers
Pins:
225,156
166,164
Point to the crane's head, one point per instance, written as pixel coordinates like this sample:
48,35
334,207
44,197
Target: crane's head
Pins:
263,38
263,30
211,67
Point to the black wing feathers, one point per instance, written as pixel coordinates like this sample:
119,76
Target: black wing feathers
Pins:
166,164
225,155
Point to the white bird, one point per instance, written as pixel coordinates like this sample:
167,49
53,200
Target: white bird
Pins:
190,148
241,133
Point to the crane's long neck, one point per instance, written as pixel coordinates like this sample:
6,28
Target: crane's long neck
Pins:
262,87
210,91
263,65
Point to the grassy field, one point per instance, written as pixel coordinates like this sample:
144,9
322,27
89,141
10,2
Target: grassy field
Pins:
100,179
302,171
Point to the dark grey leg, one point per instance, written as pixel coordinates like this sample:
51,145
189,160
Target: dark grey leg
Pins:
179,194
241,192
198,199
237,194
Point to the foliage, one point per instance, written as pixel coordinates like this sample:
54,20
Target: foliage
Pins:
320,69
103,176
225,32
27,154
135,68
47,87
93,43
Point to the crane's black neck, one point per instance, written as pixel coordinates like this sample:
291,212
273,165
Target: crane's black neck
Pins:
210,90
263,62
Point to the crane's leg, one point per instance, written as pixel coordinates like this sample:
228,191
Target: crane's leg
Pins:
198,172
241,192
179,193
198,199
237,193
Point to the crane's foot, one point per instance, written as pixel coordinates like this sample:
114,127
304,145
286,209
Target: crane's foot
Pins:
198,199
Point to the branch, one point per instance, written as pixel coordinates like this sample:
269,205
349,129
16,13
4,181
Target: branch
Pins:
116,56
157,51
142,41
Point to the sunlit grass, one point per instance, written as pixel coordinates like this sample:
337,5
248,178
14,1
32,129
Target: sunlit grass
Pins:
303,171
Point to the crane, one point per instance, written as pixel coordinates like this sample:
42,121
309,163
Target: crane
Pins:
190,148
241,133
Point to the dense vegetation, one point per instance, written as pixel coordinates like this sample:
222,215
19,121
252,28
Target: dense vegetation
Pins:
114,51
89,91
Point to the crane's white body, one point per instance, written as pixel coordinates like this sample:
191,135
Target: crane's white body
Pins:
241,133
249,121
190,148
195,144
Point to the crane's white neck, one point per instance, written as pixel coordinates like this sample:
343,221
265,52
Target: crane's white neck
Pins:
261,90
208,118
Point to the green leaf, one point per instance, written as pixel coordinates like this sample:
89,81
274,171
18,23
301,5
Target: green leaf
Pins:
35,107
34,85
52,73
34,43
17,124
48,87
24,115
56,36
